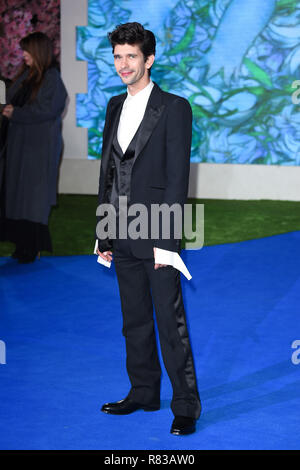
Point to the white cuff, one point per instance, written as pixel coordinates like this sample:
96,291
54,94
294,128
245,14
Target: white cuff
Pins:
172,258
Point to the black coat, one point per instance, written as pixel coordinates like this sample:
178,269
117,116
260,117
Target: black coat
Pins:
160,173
34,144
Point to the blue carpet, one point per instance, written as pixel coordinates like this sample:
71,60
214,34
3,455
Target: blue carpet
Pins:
60,320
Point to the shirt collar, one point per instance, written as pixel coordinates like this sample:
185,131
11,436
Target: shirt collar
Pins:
141,95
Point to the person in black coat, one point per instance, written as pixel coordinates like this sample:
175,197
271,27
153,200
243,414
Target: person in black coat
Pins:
146,158
31,144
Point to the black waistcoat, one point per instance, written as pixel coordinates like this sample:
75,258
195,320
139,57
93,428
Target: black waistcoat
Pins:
123,163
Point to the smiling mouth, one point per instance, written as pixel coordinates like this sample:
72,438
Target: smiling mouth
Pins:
125,74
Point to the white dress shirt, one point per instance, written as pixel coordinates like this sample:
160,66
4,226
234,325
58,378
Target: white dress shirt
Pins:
131,116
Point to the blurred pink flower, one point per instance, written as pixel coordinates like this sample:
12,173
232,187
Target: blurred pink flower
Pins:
16,16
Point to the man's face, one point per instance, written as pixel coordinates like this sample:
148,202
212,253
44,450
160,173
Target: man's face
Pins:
130,64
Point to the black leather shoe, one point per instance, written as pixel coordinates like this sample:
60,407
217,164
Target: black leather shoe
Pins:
27,256
17,253
125,407
183,425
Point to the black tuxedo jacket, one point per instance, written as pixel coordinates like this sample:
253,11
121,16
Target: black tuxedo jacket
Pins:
160,173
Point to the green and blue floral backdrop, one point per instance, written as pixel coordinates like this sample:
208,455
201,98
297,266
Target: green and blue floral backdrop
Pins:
234,60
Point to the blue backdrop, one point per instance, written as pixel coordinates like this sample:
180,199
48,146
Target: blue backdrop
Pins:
234,60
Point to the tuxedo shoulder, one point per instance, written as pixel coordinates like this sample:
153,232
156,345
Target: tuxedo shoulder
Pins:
116,99
171,98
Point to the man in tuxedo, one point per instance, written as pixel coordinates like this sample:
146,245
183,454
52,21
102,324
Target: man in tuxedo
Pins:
146,157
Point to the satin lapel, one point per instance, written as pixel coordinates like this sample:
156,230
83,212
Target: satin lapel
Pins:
152,115
113,121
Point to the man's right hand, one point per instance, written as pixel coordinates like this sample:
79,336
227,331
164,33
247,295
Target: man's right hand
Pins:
107,255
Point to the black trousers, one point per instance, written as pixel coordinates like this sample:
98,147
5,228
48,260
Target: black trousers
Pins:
142,287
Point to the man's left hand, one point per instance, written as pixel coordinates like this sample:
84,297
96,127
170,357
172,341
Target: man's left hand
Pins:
156,265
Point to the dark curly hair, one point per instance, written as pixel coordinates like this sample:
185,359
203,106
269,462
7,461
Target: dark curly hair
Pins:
134,33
